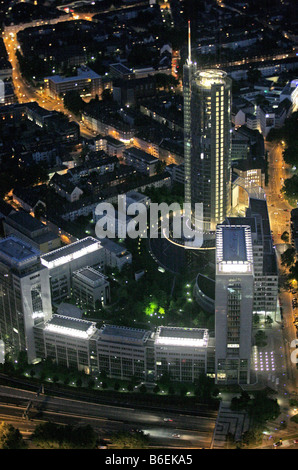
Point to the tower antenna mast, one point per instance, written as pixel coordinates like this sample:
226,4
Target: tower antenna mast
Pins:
189,44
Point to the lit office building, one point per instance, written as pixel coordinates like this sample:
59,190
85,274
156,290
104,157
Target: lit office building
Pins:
264,257
25,298
62,263
265,263
124,352
233,303
90,286
180,353
67,341
207,142
86,81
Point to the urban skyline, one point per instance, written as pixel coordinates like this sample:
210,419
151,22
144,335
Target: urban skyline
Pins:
168,105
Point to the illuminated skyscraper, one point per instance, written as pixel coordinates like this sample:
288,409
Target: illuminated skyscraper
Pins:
234,296
207,141
25,298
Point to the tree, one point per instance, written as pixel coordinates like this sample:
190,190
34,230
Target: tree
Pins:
253,75
73,102
126,440
263,408
285,236
261,338
290,188
52,435
91,383
143,389
116,386
10,437
288,257
252,437
39,210
79,382
260,407
205,389
107,95
160,166
293,274
240,403
164,81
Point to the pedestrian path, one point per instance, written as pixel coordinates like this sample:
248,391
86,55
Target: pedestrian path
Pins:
228,421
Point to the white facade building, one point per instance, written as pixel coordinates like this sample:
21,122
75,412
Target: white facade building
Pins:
25,295
180,353
63,262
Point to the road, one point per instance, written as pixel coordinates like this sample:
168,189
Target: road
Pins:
24,91
273,362
279,209
193,431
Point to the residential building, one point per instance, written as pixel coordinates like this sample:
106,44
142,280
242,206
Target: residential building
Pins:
140,160
32,231
86,81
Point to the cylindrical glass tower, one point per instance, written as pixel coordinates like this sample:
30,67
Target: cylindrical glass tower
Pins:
207,121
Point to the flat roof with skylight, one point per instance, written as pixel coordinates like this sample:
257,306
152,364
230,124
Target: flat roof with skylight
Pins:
73,327
124,334
69,252
175,336
234,249
14,251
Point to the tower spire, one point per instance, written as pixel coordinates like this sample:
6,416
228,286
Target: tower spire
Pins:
189,44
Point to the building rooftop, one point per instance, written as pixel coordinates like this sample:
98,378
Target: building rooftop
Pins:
259,206
66,253
141,155
234,248
124,334
26,221
70,326
175,336
82,73
15,251
113,247
90,275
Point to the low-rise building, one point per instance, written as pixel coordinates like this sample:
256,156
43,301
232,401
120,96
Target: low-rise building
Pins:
180,353
140,160
31,230
62,263
68,341
115,255
90,286
86,81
